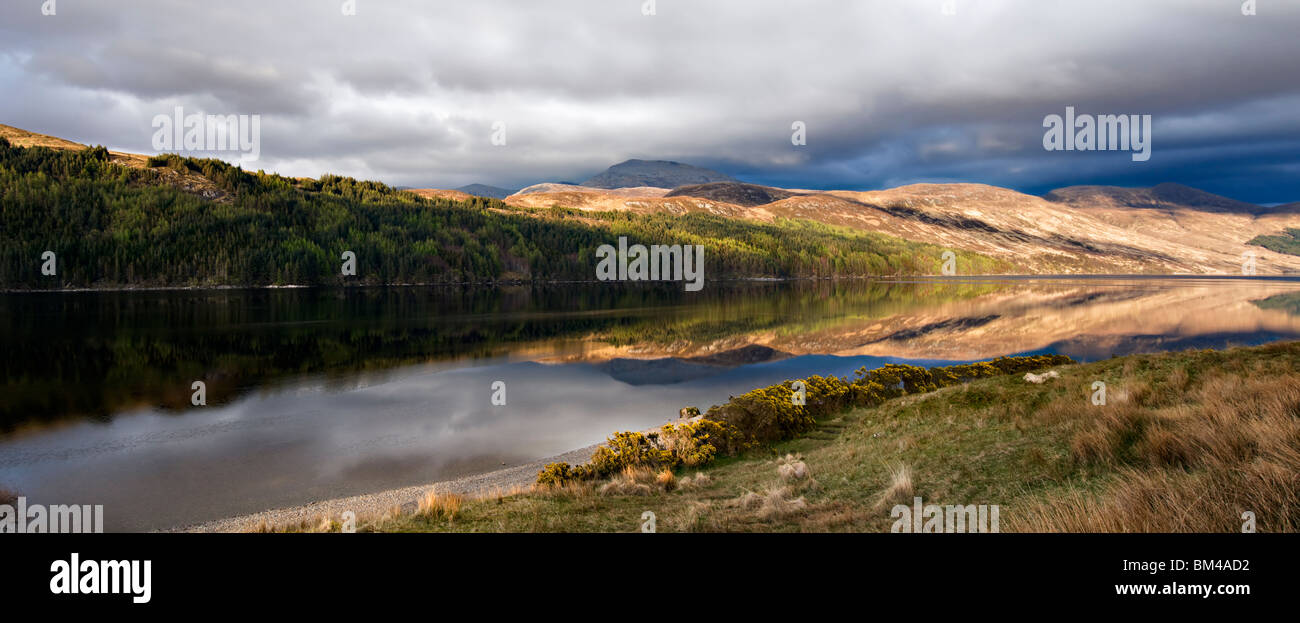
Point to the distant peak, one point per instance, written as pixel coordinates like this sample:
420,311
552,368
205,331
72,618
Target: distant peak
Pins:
483,190
655,173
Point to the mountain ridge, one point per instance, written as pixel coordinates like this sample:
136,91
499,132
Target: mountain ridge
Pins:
1167,228
1166,195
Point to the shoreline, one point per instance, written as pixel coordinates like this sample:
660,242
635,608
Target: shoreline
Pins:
438,284
553,282
379,502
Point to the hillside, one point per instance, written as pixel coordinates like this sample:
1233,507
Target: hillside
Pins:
112,225
22,138
1166,196
1163,230
747,195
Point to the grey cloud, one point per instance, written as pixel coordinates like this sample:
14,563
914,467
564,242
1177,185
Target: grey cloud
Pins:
892,91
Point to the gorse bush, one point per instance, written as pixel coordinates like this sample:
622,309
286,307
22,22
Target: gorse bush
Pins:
696,444
770,414
670,447
627,449
555,474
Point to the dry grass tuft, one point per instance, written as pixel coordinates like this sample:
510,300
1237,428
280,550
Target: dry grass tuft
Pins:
747,501
666,480
779,501
632,481
695,517
793,471
317,523
775,501
436,505
900,488
699,481
1109,434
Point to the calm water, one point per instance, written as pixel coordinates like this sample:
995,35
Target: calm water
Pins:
323,393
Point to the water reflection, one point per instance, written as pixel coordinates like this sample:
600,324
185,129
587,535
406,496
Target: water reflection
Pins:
316,394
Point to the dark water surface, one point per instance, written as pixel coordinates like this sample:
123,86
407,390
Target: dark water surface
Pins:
314,394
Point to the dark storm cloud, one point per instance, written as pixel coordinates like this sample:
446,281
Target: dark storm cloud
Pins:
892,91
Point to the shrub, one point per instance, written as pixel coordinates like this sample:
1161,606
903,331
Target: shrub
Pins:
698,443
628,449
555,474
769,414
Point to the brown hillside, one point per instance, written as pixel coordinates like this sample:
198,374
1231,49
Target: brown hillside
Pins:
1083,230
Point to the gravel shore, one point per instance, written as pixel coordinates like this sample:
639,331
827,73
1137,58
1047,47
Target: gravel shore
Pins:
378,503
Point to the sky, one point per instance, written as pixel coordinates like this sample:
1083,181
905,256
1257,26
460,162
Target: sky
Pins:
890,92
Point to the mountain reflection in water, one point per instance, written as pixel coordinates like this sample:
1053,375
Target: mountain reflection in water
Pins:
322,393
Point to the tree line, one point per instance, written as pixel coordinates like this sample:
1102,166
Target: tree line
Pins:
110,225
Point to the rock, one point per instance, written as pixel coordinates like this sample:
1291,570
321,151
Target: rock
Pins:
1040,378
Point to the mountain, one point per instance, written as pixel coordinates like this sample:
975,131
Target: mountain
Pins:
655,173
737,193
483,190
168,220
564,187
1169,228
1165,229
670,370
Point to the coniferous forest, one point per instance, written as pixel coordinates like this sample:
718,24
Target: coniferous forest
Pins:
110,225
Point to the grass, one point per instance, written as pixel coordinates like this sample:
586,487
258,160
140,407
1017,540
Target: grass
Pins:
1186,441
